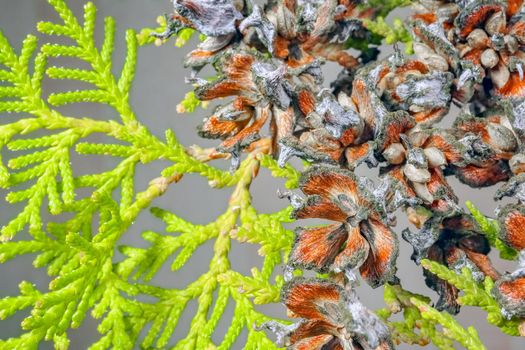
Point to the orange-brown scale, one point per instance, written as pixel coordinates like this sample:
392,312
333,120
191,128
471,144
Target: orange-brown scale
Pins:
332,52
476,18
474,55
395,129
186,22
397,173
222,89
355,153
438,183
283,121
324,144
355,243
302,298
215,128
313,329
317,247
306,101
413,65
362,100
201,53
514,289
328,183
452,154
382,253
472,125
513,7
428,18
482,261
280,47
349,136
252,129
290,4
488,175
320,209
514,224
518,29
238,67
421,117
242,103
514,88
303,60
383,72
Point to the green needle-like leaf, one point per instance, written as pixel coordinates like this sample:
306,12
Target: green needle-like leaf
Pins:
77,248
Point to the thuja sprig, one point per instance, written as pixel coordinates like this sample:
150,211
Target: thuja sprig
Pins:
413,328
287,171
491,229
475,294
241,222
189,103
421,322
24,95
381,30
469,337
77,250
159,35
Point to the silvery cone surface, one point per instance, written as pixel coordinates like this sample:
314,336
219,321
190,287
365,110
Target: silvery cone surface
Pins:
385,114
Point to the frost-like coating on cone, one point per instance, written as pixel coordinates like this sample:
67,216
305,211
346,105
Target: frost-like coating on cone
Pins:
385,114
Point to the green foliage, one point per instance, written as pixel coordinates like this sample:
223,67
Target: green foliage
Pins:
469,337
146,36
189,103
475,294
240,222
490,228
89,213
415,327
151,35
392,33
380,29
421,322
287,171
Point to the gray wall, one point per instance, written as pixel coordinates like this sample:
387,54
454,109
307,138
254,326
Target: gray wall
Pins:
159,85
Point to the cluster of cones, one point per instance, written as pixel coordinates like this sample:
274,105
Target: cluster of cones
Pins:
385,114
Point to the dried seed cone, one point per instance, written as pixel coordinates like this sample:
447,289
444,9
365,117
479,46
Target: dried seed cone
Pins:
384,114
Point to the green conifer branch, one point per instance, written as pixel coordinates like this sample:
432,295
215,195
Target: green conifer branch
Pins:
421,323
475,294
78,256
231,286
287,171
392,33
190,103
149,35
469,337
413,328
380,29
490,228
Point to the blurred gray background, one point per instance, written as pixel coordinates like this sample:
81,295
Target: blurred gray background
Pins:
159,86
